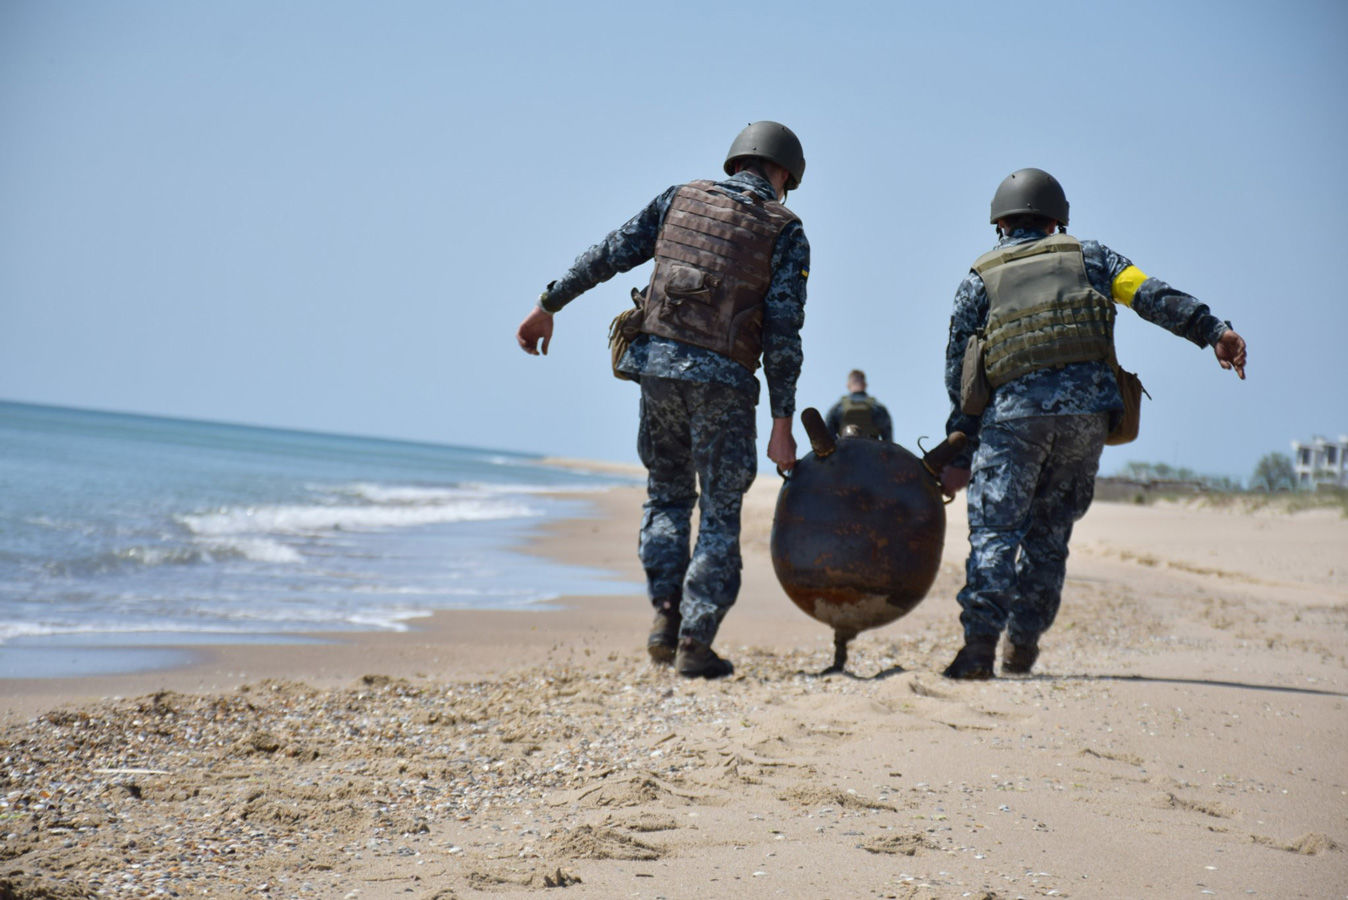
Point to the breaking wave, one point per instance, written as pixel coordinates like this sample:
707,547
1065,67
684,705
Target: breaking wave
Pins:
388,507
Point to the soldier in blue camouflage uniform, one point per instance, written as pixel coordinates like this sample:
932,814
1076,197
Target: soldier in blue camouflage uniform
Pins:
1036,446
698,396
859,409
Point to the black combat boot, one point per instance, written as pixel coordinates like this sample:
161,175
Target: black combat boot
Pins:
663,642
975,659
698,660
1021,658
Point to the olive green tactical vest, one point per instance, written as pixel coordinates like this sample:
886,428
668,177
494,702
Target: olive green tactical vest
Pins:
1042,309
713,266
859,413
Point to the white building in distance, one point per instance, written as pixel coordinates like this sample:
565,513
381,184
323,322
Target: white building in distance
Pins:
1321,461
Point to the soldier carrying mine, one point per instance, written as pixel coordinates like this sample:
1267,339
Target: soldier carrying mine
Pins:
728,289
1039,310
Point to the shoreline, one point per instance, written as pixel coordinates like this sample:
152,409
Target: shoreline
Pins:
1189,712
197,663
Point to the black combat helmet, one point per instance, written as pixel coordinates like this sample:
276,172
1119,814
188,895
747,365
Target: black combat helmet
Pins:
1031,191
772,141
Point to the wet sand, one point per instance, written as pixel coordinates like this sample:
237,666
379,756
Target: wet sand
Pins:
1184,735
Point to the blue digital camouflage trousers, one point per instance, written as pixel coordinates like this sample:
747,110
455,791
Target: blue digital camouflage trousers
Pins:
1033,478
694,433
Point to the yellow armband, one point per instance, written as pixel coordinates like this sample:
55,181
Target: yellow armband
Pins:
1126,284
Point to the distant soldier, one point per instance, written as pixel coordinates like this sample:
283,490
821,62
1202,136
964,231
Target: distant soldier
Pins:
1043,305
859,412
727,290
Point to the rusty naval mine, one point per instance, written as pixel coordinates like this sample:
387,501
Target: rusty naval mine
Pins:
858,530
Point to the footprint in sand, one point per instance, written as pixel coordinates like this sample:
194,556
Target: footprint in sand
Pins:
898,844
589,842
809,796
638,790
1307,845
1168,800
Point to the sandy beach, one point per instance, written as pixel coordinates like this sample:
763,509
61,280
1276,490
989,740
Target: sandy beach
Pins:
1183,736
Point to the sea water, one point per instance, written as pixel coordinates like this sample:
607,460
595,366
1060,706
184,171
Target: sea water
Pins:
124,531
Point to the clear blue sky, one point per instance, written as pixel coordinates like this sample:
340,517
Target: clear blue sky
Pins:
332,215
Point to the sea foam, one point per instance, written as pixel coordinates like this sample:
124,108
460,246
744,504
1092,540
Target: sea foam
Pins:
394,508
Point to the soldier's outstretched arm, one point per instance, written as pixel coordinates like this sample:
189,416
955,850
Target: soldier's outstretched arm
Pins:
535,327
1230,350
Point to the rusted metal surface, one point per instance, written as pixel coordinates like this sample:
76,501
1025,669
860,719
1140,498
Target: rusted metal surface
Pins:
858,532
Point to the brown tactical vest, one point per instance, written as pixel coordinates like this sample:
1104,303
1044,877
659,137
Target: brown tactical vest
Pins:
1042,309
713,266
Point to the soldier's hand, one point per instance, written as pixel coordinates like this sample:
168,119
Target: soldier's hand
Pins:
535,327
953,479
1230,350
782,444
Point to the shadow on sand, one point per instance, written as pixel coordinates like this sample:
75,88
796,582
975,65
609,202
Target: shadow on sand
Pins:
1136,679
1199,682
878,676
